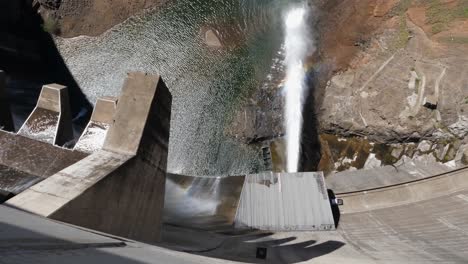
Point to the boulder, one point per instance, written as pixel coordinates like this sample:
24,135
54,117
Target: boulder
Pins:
464,159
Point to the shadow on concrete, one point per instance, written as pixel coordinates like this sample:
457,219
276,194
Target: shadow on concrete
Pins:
298,252
243,248
334,207
5,196
310,142
20,245
30,58
30,239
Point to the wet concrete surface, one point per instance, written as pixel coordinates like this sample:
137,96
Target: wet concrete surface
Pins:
41,125
26,161
14,181
202,202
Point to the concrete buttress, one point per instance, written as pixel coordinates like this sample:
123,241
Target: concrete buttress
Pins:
119,189
50,121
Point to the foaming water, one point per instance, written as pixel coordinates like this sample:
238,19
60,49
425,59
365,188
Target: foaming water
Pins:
297,46
207,84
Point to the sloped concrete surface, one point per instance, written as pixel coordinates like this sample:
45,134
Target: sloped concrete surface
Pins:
23,231
24,161
434,230
92,138
15,181
405,193
56,191
349,181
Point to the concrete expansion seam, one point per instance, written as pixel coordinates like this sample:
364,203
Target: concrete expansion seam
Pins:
59,119
53,246
240,198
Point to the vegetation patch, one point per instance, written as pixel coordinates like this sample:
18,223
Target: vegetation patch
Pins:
403,33
50,25
454,40
401,8
439,14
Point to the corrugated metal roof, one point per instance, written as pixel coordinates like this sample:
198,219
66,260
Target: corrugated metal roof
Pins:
285,201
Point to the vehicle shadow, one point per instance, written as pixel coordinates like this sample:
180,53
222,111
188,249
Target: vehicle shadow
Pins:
334,207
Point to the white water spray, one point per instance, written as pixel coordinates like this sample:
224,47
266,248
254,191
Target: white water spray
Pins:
298,44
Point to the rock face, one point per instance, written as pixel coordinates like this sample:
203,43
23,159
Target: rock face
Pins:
403,82
254,122
261,118
51,4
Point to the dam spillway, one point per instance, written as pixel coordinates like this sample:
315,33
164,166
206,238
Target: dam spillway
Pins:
370,228
114,183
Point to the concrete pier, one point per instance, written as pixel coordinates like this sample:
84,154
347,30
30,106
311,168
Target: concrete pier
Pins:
92,138
6,121
50,121
119,189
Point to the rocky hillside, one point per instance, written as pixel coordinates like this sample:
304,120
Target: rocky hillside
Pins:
404,77
70,18
395,72
389,72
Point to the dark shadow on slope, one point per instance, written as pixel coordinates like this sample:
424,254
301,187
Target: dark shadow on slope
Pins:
30,58
282,250
310,142
31,239
19,245
241,246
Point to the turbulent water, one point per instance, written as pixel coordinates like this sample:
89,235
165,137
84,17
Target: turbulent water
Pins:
207,84
297,47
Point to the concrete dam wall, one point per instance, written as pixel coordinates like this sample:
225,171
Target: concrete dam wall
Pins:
114,179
